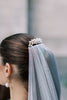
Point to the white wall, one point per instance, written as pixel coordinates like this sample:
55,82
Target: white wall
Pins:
13,17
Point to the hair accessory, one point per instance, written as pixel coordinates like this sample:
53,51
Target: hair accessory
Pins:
35,41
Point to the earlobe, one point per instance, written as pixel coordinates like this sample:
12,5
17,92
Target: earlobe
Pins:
8,70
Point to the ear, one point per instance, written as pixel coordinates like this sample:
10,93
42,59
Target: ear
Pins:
8,70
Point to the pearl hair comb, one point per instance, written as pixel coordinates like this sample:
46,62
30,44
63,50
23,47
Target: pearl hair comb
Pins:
35,41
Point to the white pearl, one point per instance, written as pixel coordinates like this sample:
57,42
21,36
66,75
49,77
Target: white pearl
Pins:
6,85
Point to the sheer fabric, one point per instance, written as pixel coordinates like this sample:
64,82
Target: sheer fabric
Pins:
43,75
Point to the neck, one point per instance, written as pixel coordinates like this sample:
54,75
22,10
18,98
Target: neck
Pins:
17,91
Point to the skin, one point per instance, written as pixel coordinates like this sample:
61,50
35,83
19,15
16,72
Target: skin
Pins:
17,90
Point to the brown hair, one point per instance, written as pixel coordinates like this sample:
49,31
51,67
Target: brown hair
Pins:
4,93
14,50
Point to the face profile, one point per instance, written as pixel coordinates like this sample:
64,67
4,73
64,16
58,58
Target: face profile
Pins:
4,92
2,74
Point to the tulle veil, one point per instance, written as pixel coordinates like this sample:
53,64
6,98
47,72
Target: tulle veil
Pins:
44,81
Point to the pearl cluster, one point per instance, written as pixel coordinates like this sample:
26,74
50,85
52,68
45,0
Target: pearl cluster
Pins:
35,41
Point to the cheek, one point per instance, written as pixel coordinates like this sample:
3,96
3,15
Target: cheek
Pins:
2,76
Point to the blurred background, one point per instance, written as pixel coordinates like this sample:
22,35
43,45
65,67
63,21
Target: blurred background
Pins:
46,19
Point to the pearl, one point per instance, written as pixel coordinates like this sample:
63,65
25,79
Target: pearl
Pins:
6,85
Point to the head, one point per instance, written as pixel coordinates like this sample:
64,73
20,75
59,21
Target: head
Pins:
14,58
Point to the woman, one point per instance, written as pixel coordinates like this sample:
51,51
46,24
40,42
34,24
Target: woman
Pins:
28,68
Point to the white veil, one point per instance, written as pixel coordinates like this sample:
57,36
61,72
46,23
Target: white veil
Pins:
43,76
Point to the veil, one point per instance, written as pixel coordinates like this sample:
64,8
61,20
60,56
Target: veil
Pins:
43,81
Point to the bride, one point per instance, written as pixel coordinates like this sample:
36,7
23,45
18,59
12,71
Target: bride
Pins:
28,68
